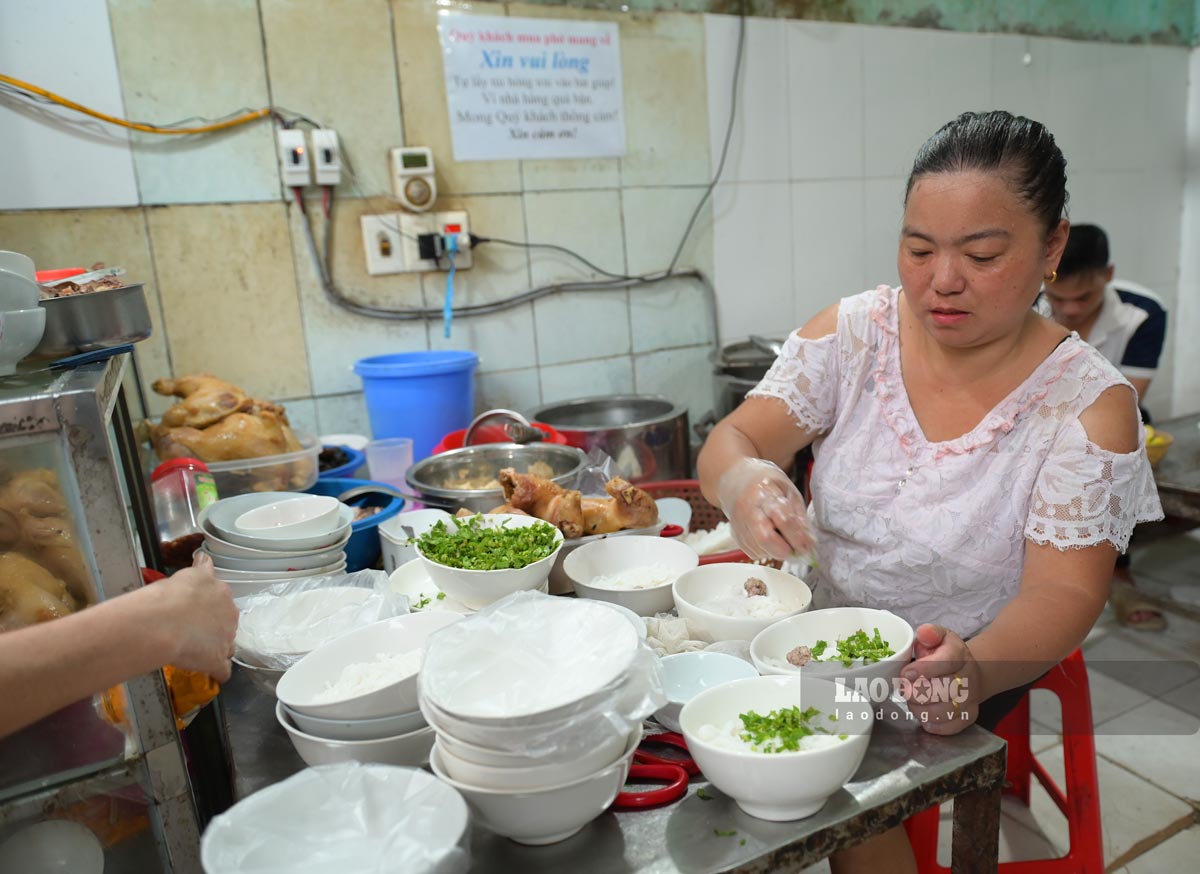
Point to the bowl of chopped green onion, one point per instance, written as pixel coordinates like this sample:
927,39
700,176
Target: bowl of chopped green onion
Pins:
836,643
778,746
480,559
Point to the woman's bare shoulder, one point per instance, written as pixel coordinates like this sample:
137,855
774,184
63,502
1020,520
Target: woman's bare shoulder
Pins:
822,324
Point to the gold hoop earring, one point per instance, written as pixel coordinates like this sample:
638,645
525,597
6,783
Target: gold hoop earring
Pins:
1053,277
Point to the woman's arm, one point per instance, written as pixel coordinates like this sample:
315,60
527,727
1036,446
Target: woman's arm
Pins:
188,620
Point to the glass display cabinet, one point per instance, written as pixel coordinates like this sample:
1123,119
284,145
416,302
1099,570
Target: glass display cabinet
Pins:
110,771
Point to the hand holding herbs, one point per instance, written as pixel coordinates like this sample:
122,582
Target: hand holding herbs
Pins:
470,545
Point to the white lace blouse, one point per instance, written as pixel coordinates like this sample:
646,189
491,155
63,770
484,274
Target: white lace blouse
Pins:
935,532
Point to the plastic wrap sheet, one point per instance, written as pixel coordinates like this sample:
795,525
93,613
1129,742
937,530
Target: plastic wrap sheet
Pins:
667,634
372,819
533,674
281,625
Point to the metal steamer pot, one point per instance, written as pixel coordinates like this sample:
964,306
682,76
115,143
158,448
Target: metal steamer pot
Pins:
95,320
429,477
645,435
737,369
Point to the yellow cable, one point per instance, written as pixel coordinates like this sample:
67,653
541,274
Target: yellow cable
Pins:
133,125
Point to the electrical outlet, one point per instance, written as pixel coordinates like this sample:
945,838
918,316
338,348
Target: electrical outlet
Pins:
294,165
382,243
443,224
326,156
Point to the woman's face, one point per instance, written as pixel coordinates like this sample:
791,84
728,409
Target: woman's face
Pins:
973,256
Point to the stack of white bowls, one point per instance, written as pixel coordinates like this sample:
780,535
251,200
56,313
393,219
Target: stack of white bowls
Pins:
335,710
537,704
258,540
22,320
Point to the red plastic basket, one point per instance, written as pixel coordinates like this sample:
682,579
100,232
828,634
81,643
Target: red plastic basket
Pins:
704,515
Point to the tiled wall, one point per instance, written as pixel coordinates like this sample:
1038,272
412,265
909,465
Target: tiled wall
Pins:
830,117
1187,356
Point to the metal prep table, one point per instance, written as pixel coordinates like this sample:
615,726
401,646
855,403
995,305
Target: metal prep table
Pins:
1178,474
906,770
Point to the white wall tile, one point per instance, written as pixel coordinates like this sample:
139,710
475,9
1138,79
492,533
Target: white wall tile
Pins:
343,414
503,340
1138,212
675,312
828,244
519,390
655,219
53,165
752,250
884,215
586,222
577,325
302,413
916,81
1166,105
683,375
604,376
1021,76
758,146
825,100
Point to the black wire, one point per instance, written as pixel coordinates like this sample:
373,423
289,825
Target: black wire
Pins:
478,239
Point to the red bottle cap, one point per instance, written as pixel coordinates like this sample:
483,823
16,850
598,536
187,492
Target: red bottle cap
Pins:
177,464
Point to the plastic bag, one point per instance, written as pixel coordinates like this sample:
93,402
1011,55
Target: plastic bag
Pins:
375,819
667,635
533,674
594,475
281,625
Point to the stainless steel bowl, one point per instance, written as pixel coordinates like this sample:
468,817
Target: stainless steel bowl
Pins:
428,478
96,320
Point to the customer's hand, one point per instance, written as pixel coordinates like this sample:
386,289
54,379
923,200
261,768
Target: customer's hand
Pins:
765,510
198,614
944,688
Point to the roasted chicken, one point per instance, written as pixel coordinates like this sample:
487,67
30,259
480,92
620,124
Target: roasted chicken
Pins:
206,400
35,522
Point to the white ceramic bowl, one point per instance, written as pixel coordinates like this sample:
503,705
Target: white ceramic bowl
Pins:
600,753
18,263
478,589
217,545
301,516
770,648
285,565
222,517
356,729
687,674
17,292
20,334
397,551
548,815
235,576
322,667
616,555
411,749
788,785
534,774
719,581
347,816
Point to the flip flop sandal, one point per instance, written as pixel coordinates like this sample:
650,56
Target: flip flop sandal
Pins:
1128,603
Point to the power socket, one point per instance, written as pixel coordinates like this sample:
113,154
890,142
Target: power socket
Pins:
382,243
442,225
294,166
327,156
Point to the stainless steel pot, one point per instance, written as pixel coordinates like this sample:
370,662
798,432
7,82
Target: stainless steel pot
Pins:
96,320
736,370
646,436
429,477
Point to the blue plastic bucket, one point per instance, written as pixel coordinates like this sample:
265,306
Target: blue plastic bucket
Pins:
420,395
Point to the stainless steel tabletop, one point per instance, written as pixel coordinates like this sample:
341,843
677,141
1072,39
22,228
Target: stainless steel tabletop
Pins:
1178,474
905,770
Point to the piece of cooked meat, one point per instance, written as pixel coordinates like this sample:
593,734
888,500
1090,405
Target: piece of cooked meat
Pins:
206,400
628,507
545,499
755,587
800,656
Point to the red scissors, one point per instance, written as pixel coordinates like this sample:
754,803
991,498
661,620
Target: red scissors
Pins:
674,770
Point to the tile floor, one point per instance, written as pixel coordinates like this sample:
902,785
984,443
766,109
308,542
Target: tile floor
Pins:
1146,726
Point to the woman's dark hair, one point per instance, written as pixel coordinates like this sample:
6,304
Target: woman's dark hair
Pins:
1023,150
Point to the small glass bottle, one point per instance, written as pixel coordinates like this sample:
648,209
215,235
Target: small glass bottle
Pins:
182,488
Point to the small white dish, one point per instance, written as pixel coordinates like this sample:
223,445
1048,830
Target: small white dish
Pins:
227,575
217,545
286,564
615,555
675,511
223,516
687,674
302,516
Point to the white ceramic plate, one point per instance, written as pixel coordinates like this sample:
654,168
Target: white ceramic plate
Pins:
282,564
226,575
215,544
223,515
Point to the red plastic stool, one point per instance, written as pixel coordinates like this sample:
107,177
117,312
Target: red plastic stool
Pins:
1080,803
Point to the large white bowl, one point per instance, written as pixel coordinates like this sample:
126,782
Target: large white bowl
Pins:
616,555
779,786
548,815
535,774
19,335
356,729
687,674
291,518
217,545
770,648
478,589
599,753
322,667
713,581
411,749
347,816
222,517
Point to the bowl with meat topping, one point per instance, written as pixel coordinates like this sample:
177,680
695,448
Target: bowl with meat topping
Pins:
737,601
778,746
837,642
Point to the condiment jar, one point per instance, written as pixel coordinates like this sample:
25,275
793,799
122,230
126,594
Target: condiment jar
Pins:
182,488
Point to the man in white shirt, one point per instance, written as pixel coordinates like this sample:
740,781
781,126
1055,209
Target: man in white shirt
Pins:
1127,324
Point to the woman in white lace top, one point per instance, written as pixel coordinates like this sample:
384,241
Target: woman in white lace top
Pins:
978,468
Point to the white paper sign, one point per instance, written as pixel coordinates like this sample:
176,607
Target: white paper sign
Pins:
532,87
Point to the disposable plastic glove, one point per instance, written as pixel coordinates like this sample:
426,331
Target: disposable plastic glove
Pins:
765,509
